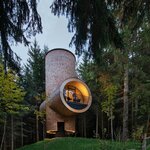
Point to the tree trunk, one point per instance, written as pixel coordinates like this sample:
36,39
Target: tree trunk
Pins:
5,144
111,123
144,143
136,113
145,138
125,104
102,124
21,132
84,125
12,132
132,116
43,130
97,124
37,128
3,137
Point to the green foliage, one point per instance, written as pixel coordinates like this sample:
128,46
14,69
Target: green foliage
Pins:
33,81
11,94
92,22
19,20
138,133
34,75
106,80
108,103
131,12
139,76
96,22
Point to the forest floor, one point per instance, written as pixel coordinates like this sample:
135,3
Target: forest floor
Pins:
71,143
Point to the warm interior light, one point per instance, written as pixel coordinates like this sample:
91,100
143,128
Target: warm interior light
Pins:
79,86
76,95
71,131
51,132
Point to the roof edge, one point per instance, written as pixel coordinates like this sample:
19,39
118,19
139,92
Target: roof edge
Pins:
60,49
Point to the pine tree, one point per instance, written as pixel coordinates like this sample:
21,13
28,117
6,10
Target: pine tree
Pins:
95,22
11,104
18,20
140,81
92,22
34,84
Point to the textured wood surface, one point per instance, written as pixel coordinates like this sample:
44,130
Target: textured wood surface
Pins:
60,71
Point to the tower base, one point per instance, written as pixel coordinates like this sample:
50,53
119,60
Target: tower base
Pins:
59,125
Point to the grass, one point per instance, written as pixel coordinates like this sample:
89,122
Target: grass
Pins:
81,144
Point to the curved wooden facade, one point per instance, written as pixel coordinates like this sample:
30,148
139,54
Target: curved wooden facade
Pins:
66,95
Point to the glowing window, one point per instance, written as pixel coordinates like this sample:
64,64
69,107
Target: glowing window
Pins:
74,97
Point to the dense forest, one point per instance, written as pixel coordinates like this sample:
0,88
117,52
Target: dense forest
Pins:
113,38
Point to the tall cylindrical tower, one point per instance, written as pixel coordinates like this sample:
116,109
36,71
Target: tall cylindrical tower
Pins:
66,95
59,65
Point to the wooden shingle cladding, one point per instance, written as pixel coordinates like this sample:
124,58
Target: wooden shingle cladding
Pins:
60,72
52,119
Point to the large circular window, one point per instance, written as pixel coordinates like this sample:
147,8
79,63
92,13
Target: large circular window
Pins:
75,95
